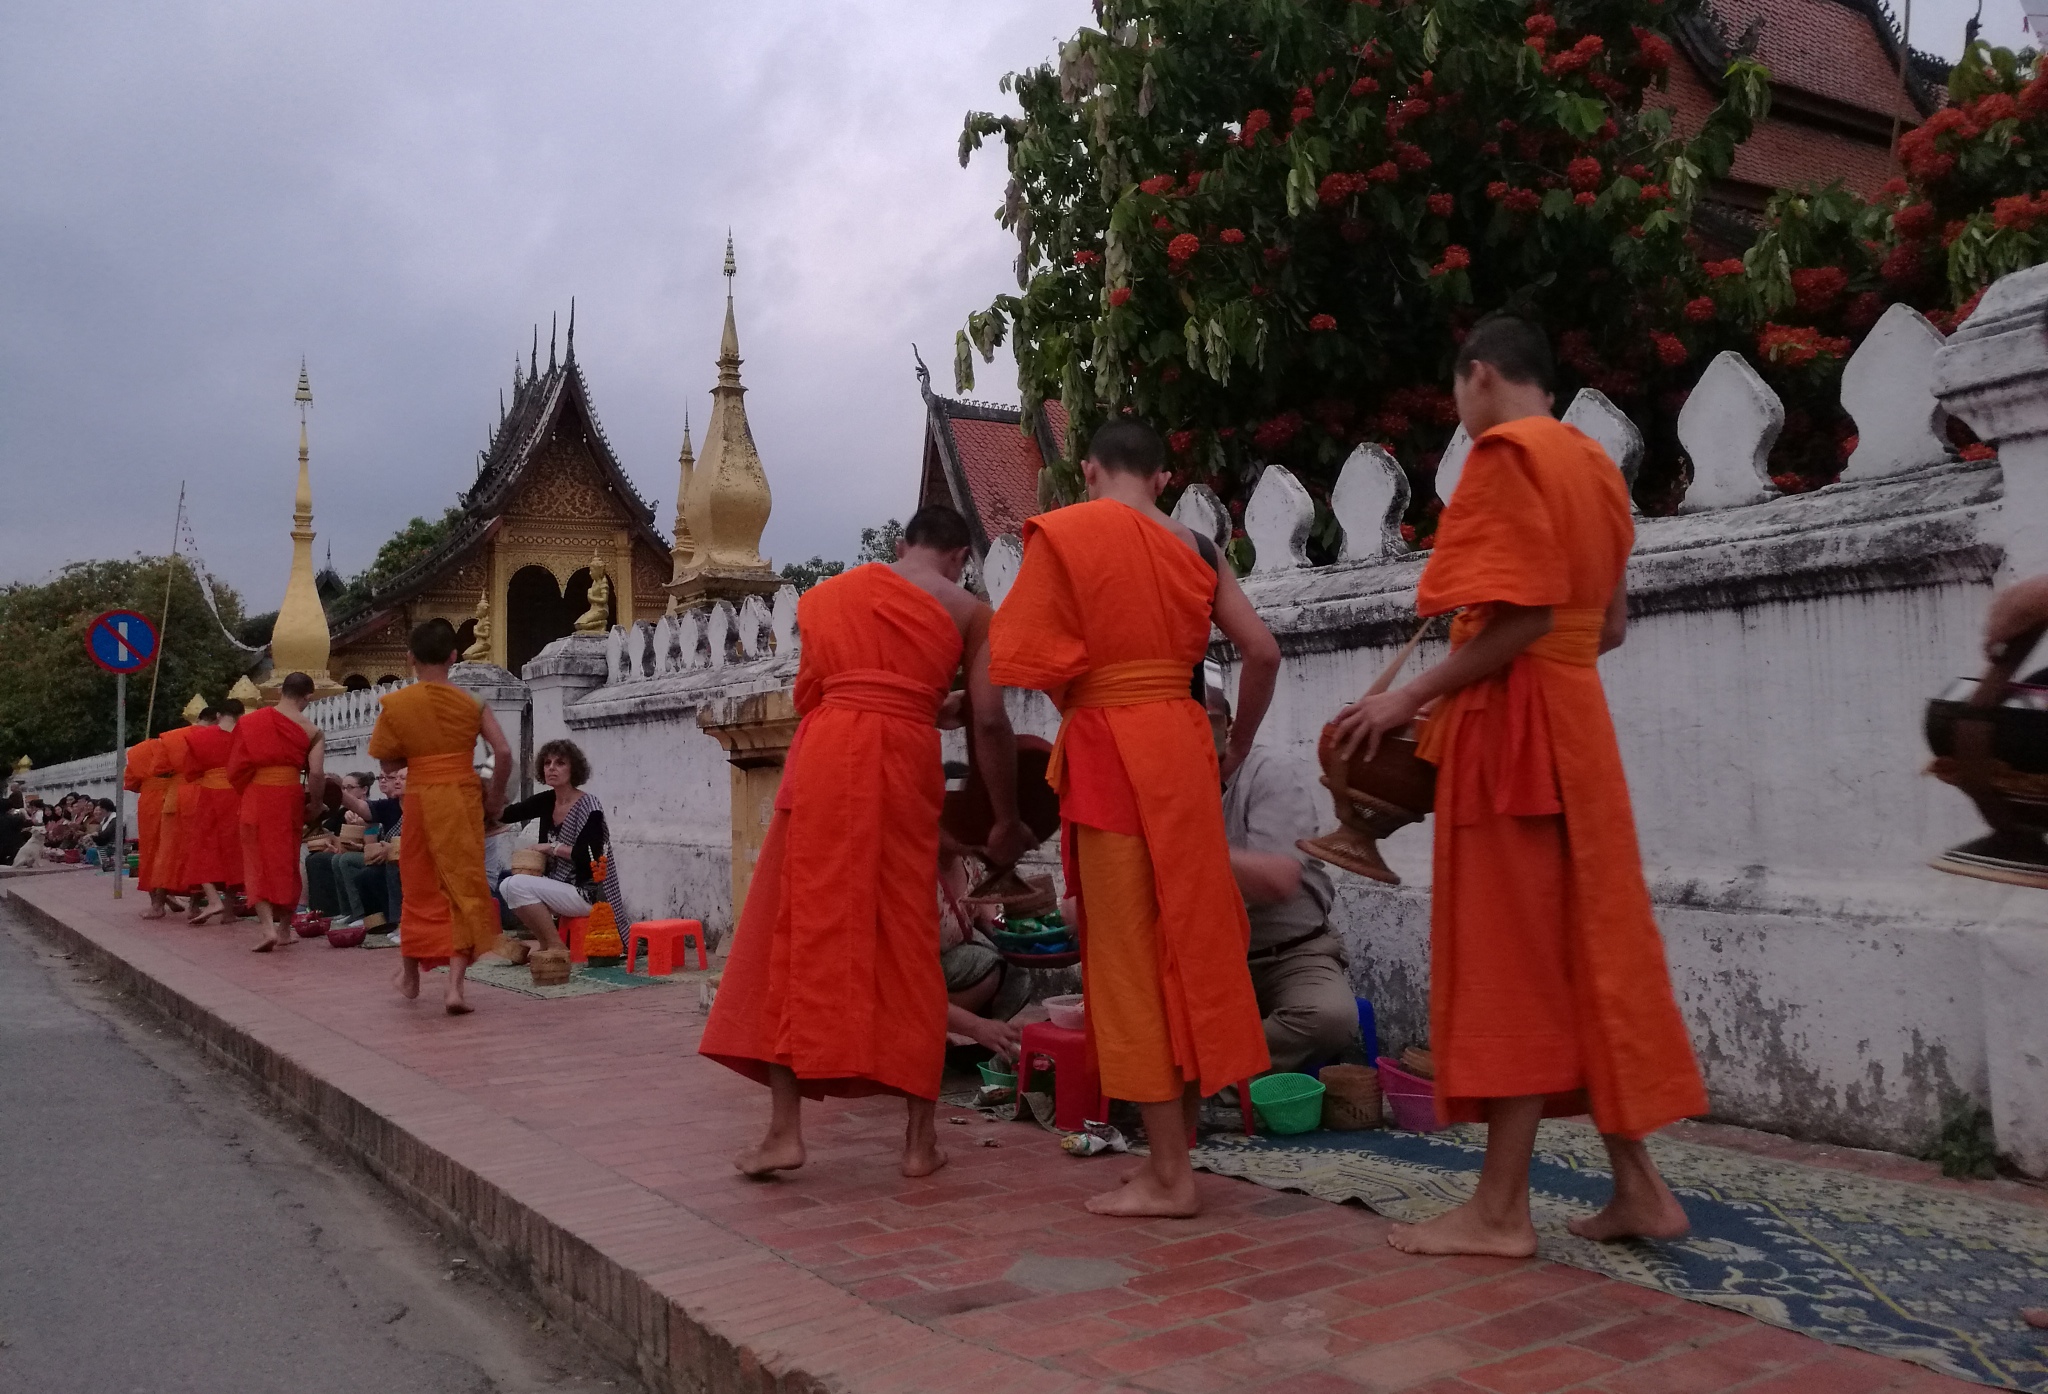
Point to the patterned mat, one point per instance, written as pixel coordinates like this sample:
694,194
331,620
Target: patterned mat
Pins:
1932,1276
583,979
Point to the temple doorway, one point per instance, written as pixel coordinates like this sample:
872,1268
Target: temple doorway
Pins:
537,613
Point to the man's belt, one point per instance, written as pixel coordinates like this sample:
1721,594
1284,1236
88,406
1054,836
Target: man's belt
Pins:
275,776
1135,683
1278,949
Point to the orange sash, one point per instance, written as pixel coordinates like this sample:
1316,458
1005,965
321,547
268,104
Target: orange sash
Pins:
1130,684
275,776
216,778
454,767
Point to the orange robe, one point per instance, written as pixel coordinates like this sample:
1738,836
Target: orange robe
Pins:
179,795
834,970
1109,615
433,727
267,766
1547,973
148,775
213,840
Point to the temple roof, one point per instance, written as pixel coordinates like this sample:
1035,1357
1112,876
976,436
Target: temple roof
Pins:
979,458
541,399
1832,62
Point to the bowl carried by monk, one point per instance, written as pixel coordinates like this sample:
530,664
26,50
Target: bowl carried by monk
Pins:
529,861
1374,797
967,817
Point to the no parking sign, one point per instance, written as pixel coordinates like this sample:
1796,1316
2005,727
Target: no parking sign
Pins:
121,641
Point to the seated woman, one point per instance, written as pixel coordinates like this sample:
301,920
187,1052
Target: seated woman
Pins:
573,838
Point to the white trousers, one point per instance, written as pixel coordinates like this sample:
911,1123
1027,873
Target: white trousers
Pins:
558,896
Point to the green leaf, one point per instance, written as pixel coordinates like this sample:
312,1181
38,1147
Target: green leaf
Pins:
1557,203
963,364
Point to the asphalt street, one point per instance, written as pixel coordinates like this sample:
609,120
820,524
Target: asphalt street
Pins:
162,1230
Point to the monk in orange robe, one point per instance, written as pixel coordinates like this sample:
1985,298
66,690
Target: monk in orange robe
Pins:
430,731
1549,992
211,812
179,794
833,983
277,767
1110,615
148,775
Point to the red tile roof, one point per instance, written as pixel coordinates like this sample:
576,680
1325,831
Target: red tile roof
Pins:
1000,464
1782,153
1822,47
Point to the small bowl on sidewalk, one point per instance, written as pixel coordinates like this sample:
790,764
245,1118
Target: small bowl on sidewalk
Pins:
1067,1011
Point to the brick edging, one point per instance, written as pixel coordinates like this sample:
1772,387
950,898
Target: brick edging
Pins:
705,1328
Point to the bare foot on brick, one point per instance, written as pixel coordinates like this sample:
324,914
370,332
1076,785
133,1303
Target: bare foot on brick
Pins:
773,1155
407,980
156,912
923,1160
1142,1195
1466,1231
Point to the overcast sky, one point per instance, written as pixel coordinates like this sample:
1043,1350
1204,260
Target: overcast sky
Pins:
194,193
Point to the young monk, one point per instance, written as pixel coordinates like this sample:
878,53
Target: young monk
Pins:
277,766
1548,988
430,731
1110,615
833,984
148,775
210,810
180,795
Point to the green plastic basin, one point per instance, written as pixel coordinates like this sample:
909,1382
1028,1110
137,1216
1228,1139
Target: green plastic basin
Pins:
1288,1103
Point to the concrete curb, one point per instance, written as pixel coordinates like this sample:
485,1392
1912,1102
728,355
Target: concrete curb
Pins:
694,1308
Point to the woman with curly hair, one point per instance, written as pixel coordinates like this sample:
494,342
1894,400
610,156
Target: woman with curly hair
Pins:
572,838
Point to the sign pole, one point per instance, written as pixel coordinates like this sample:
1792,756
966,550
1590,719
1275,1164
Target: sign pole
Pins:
120,781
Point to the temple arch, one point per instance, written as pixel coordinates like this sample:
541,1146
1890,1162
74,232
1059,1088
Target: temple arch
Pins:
536,613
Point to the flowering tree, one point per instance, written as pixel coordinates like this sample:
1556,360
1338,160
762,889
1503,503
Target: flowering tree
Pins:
1969,208
1265,224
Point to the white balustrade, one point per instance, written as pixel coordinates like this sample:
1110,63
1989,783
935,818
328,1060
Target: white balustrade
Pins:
999,570
754,619
1728,426
1592,413
782,620
1888,388
1199,510
1278,520
1451,466
1370,500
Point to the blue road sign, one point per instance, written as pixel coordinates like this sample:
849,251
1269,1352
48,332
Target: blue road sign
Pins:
121,641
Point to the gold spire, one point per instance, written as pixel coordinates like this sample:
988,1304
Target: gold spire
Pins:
299,642
724,503
193,708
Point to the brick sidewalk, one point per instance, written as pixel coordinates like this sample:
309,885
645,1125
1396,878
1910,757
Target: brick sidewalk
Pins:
584,1147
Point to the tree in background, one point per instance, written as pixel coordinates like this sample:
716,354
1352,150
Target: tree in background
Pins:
1969,208
805,574
56,705
876,544
1265,224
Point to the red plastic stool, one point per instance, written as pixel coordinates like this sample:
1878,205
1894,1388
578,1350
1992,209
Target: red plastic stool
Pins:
1077,1089
663,938
572,932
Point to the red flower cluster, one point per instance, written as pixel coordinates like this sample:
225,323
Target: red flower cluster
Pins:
1522,201
1275,255
1455,258
2020,212
1817,288
1497,190
1231,235
1863,311
1441,204
1651,50
1541,26
1796,345
1585,200
1364,87
1279,431
1583,173
1180,442
1322,324
1120,296
1254,122
1300,114
1670,348
1574,59
1392,423
1085,257
1700,309
1721,270
1162,224
1903,265
1337,187
1182,249
1385,172
1410,157
1915,220
1432,404
1159,184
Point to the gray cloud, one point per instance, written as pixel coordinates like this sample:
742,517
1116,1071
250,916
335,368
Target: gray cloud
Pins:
197,193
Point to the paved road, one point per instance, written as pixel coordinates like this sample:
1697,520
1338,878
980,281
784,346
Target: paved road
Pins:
162,1231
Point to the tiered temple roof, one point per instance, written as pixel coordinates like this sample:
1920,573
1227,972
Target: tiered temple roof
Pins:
980,459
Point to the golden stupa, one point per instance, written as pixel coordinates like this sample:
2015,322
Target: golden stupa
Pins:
723,496
299,642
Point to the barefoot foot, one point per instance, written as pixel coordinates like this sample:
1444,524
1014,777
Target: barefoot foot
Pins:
1142,1195
156,912
265,946
1465,1231
771,1156
1638,1217
407,980
455,1006
924,1160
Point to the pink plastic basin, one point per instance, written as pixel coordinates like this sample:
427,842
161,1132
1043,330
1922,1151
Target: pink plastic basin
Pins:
1411,1099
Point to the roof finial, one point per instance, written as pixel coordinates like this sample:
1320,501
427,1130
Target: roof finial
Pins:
501,398
731,267
553,320
729,343
304,396
533,363
570,354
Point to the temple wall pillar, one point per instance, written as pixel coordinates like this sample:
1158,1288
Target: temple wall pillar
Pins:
755,732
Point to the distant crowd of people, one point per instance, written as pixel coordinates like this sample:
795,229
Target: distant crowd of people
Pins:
77,828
